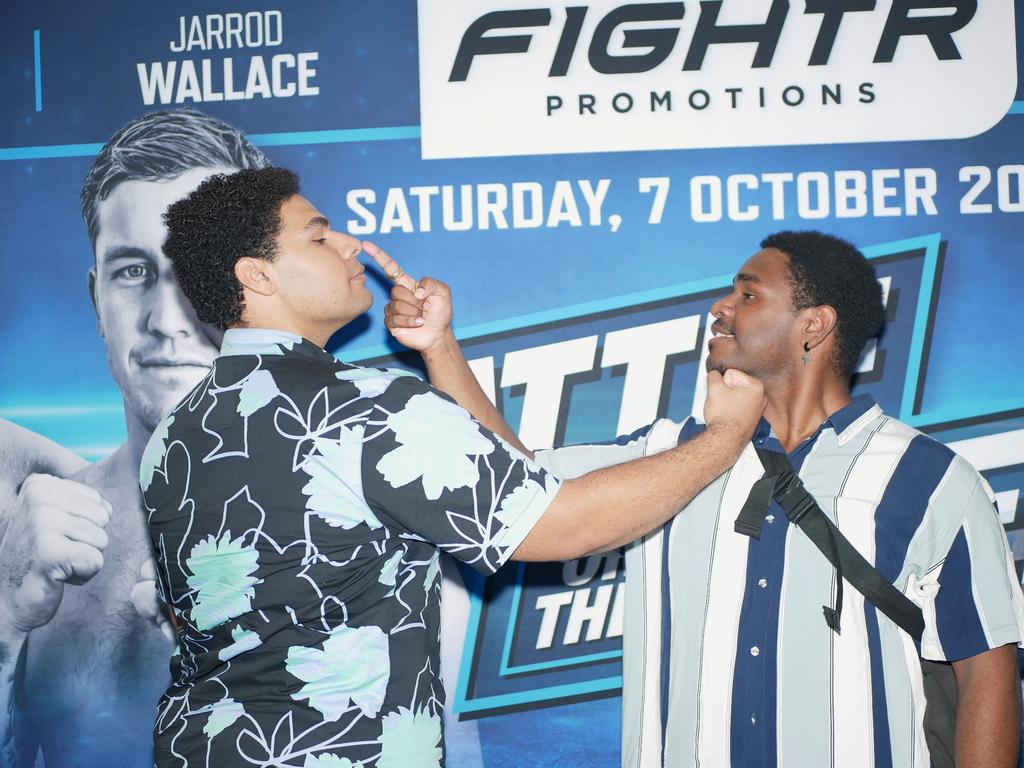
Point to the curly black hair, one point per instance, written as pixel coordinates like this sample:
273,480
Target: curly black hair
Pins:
227,217
825,269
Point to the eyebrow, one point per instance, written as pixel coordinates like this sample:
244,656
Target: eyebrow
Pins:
124,252
317,221
745,277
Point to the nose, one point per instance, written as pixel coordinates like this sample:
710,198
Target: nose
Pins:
170,313
346,245
723,307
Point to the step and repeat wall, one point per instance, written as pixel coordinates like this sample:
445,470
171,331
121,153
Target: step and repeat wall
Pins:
587,179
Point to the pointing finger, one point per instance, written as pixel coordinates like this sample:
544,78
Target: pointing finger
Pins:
391,267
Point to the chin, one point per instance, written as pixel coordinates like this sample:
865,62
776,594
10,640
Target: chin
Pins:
711,364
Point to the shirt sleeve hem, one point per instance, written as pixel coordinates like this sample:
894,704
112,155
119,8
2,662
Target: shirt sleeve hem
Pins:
961,648
516,533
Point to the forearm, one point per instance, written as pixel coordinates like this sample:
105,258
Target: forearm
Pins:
449,372
616,505
988,710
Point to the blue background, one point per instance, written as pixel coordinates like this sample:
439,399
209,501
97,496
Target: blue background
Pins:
55,376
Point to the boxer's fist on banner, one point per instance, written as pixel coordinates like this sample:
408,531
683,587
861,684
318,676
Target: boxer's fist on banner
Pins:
147,602
55,536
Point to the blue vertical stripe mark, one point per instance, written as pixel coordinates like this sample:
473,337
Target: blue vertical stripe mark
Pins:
1017,108
879,707
899,514
755,704
39,71
666,626
957,617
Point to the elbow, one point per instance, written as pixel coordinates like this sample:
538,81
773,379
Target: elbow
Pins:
553,547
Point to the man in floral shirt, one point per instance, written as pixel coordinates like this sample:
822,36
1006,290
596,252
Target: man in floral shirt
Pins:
297,505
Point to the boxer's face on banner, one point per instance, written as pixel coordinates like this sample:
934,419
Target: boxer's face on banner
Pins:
156,347
756,329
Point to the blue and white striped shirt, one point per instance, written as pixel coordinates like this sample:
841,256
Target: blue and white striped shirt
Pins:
727,657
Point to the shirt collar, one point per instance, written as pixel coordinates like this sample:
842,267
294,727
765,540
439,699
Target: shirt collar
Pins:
852,418
267,341
846,422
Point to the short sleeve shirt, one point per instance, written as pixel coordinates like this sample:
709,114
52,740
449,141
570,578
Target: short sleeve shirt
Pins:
727,656
297,506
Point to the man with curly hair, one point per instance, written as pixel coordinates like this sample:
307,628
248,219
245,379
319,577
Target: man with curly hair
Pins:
81,667
298,505
728,658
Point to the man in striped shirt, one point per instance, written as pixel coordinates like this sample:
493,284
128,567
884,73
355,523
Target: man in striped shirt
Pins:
727,658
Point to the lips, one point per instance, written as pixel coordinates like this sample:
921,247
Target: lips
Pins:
720,332
171,362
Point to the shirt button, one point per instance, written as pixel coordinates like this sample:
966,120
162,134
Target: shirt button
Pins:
770,519
753,719
762,583
755,651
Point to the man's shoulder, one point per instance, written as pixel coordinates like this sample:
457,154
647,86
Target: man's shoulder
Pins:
23,452
926,450
374,382
927,465
302,373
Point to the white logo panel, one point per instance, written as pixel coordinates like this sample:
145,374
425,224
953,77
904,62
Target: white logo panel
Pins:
514,77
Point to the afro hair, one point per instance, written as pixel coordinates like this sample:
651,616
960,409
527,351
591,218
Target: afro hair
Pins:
226,217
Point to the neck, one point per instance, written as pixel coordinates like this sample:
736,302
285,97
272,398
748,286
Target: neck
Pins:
130,454
798,404
319,336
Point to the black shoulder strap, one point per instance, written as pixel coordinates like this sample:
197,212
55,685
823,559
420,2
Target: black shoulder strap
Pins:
782,483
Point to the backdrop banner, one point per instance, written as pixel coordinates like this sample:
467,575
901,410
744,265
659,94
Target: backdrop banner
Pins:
586,178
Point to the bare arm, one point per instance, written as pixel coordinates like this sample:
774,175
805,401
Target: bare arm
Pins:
988,709
614,506
448,370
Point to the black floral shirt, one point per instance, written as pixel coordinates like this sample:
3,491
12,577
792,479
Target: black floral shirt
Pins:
297,506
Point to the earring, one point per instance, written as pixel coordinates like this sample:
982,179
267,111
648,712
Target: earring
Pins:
807,353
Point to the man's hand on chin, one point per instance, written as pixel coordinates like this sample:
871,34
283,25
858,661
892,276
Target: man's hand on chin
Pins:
735,402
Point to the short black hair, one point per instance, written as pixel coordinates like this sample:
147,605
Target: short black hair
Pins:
226,217
163,145
825,269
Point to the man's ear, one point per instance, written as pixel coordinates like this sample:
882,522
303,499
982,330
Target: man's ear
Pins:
256,275
821,323
95,306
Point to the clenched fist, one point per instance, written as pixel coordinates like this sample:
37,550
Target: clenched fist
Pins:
147,602
55,536
735,402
